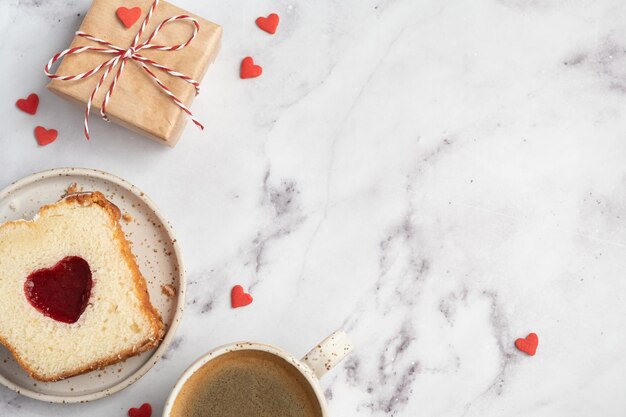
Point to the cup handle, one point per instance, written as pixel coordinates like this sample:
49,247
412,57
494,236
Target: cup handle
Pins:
328,353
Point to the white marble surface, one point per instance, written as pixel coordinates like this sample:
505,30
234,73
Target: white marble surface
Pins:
437,177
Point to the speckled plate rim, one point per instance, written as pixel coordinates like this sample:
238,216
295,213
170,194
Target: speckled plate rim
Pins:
169,336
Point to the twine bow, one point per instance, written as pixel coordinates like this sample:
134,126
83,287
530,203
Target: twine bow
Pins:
121,55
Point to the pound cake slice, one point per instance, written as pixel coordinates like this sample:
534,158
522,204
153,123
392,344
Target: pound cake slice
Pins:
72,298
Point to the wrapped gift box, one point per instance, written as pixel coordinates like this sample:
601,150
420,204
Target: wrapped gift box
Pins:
137,102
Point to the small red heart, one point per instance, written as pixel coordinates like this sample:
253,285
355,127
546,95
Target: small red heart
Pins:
269,23
129,16
28,105
249,69
144,411
239,298
45,136
528,345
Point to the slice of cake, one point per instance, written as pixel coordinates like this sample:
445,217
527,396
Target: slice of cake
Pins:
72,296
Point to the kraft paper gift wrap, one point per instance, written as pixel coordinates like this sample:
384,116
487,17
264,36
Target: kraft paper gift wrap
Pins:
137,102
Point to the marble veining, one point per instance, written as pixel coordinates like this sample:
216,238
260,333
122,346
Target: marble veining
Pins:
438,178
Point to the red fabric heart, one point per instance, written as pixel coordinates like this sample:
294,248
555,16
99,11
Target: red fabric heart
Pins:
144,411
128,16
528,345
45,136
239,298
28,105
269,23
249,69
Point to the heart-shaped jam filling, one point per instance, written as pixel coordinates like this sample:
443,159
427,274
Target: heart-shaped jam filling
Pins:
61,292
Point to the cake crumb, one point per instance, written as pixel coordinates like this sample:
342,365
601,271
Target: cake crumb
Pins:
127,217
13,206
73,188
168,290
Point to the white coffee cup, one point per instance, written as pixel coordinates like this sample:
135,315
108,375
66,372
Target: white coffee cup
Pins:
321,359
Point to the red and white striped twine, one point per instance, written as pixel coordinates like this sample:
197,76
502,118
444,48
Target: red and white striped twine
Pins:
121,55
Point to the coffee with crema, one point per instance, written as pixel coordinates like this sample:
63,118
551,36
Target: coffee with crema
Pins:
247,383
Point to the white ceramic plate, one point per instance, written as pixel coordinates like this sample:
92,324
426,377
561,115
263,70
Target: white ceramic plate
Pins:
158,256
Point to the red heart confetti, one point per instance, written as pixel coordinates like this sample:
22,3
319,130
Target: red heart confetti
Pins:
128,16
45,136
528,345
239,298
249,69
28,105
269,23
144,411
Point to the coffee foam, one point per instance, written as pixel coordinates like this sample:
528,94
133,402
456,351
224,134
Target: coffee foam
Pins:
247,383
